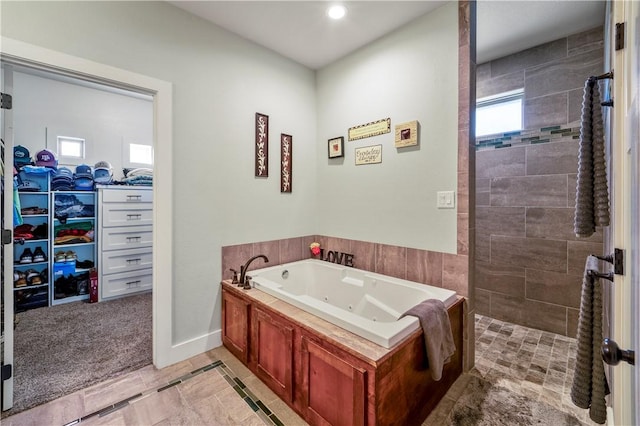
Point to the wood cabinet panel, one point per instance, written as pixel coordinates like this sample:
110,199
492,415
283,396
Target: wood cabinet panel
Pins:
273,353
235,325
333,390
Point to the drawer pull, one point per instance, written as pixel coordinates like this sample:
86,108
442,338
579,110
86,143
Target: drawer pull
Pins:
134,216
136,261
134,197
133,283
133,239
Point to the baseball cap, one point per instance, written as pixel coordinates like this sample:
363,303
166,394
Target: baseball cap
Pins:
46,158
84,171
63,173
21,156
102,172
84,183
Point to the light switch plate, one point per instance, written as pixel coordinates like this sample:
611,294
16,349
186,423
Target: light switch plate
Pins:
446,199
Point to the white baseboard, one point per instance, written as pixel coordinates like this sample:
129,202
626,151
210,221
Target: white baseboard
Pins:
187,349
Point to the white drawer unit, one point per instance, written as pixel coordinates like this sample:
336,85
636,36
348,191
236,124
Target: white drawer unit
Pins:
125,226
114,285
120,238
115,261
123,214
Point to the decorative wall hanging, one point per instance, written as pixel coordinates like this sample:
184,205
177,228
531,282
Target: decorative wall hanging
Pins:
369,155
262,145
336,147
370,129
407,134
286,146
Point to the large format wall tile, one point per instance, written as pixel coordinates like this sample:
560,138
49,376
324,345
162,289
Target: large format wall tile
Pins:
587,40
424,266
536,191
554,223
544,110
271,249
553,287
364,255
501,220
552,158
483,192
575,104
234,257
500,84
549,255
546,316
500,278
502,162
391,260
483,302
527,58
562,75
291,249
455,273
578,251
507,308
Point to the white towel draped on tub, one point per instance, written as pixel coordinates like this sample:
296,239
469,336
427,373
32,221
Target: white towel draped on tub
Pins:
592,192
589,385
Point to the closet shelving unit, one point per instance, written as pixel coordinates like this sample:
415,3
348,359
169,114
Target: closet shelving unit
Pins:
71,276
33,295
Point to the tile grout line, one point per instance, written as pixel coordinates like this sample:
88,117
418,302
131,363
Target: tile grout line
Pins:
256,405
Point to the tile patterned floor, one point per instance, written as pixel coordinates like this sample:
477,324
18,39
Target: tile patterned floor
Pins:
214,388
534,363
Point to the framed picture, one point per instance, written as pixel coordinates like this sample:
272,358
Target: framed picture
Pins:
262,145
286,162
336,147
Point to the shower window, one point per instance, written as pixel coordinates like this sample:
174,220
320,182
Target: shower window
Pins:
499,113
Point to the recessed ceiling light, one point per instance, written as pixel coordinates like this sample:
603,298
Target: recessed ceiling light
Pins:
336,11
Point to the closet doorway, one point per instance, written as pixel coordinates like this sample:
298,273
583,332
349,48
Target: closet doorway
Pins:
36,76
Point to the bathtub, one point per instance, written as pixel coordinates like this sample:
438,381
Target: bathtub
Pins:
365,303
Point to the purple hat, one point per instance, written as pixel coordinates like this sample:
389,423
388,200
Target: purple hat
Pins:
46,158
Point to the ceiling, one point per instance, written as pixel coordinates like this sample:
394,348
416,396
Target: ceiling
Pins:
301,31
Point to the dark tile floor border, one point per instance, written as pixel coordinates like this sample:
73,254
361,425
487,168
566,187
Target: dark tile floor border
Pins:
256,405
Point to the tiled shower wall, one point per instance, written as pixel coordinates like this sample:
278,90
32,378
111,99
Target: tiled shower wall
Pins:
528,262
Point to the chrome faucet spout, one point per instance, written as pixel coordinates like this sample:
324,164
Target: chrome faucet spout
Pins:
245,267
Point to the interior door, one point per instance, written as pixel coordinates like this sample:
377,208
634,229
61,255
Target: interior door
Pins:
6,125
625,209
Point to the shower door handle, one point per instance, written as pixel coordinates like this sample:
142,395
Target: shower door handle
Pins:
612,354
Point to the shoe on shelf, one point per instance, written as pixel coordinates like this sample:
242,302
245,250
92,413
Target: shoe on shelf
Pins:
44,276
70,256
84,264
19,279
26,256
38,255
61,256
33,277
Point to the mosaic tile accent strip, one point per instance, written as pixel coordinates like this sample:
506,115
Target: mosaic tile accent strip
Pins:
258,407
529,137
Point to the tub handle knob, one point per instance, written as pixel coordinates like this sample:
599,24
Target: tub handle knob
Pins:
235,276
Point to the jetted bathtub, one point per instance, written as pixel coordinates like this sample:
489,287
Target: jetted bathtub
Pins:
365,303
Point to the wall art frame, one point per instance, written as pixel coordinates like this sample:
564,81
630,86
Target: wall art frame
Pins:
406,134
336,147
286,162
262,145
368,155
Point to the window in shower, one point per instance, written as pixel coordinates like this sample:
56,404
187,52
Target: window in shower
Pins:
499,113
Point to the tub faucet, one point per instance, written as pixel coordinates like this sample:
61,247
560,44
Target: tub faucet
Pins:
243,268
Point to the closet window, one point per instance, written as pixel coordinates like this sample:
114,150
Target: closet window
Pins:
71,147
140,154
499,113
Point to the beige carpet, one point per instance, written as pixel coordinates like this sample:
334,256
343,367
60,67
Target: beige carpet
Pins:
64,348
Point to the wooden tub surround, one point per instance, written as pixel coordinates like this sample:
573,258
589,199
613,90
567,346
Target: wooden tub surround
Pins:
328,375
